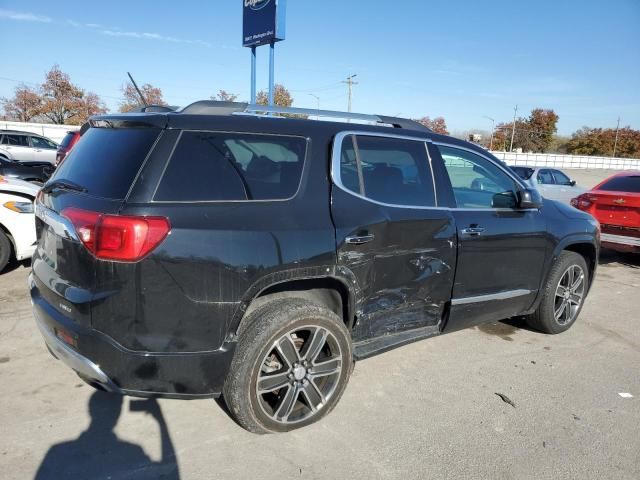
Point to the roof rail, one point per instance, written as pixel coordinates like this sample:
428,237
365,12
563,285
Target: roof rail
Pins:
214,107
311,112
337,116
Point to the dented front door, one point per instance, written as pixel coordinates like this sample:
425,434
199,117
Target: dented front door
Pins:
405,272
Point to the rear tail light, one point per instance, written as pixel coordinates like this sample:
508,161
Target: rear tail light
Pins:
582,202
118,237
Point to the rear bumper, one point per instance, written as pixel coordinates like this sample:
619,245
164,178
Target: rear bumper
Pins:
100,360
620,242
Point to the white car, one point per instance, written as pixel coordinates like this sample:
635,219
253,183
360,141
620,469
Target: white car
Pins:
27,147
550,182
17,221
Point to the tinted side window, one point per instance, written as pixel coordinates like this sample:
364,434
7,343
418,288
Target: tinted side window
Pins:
561,178
390,170
545,177
476,181
37,142
622,184
17,140
210,166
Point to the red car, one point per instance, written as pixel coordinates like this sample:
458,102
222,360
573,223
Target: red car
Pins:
66,145
615,203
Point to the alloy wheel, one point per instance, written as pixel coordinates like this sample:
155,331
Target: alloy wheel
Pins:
569,295
299,374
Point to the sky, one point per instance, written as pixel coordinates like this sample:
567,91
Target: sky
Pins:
463,60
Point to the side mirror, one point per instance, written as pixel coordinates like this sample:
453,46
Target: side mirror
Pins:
504,200
529,199
572,183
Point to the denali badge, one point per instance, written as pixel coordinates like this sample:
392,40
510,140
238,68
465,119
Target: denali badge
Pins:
65,308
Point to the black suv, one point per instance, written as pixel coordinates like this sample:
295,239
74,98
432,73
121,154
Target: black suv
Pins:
256,252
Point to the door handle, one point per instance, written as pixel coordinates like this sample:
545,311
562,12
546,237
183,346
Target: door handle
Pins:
472,231
360,239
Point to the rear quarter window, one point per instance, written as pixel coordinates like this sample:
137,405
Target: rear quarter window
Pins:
217,166
107,160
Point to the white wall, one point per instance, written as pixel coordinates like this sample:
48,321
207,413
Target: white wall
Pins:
567,161
49,130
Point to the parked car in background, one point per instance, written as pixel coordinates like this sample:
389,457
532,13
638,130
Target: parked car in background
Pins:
17,222
550,182
34,172
68,142
217,250
615,203
27,147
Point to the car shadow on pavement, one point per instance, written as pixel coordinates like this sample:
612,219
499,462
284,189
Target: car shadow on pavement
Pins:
99,453
627,259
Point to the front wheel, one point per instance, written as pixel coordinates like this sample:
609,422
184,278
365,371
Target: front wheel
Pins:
292,363
5,250
563,295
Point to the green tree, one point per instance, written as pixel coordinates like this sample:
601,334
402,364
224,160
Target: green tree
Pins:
281,96
600,142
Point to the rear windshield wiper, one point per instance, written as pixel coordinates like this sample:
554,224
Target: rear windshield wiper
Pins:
63,185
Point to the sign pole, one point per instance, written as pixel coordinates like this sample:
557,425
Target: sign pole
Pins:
253,75
272,51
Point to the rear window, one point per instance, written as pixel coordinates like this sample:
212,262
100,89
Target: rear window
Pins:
523,172
622,184
215,166
66,141
107,160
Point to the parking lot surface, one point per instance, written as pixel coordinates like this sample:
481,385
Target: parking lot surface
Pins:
498,401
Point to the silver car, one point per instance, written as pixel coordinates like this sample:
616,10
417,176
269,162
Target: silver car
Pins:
550,182
27,147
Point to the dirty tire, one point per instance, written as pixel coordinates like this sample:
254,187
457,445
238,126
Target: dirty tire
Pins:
260,331
544,318
5,250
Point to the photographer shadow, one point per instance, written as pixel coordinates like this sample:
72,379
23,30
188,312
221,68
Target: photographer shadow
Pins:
99,453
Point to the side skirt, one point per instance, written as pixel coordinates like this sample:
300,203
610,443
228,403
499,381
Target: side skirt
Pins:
374,346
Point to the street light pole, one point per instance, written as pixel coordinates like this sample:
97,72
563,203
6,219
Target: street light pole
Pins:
317,99
493,129
513,128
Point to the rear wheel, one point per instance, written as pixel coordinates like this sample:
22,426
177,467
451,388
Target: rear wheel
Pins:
5,250
563,294
291,366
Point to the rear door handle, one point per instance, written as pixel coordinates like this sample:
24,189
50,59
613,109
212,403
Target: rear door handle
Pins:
360,239
473,231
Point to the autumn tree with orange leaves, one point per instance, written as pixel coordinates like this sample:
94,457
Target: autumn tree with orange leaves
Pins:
131,99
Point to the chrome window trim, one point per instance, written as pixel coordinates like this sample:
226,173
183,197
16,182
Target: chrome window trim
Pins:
336,180
305,163
492,296
335,166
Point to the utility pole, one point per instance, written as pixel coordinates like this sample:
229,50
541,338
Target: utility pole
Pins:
615,144
349,81
317,99
493,129
513,128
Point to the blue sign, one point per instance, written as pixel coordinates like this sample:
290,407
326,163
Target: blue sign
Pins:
263,22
